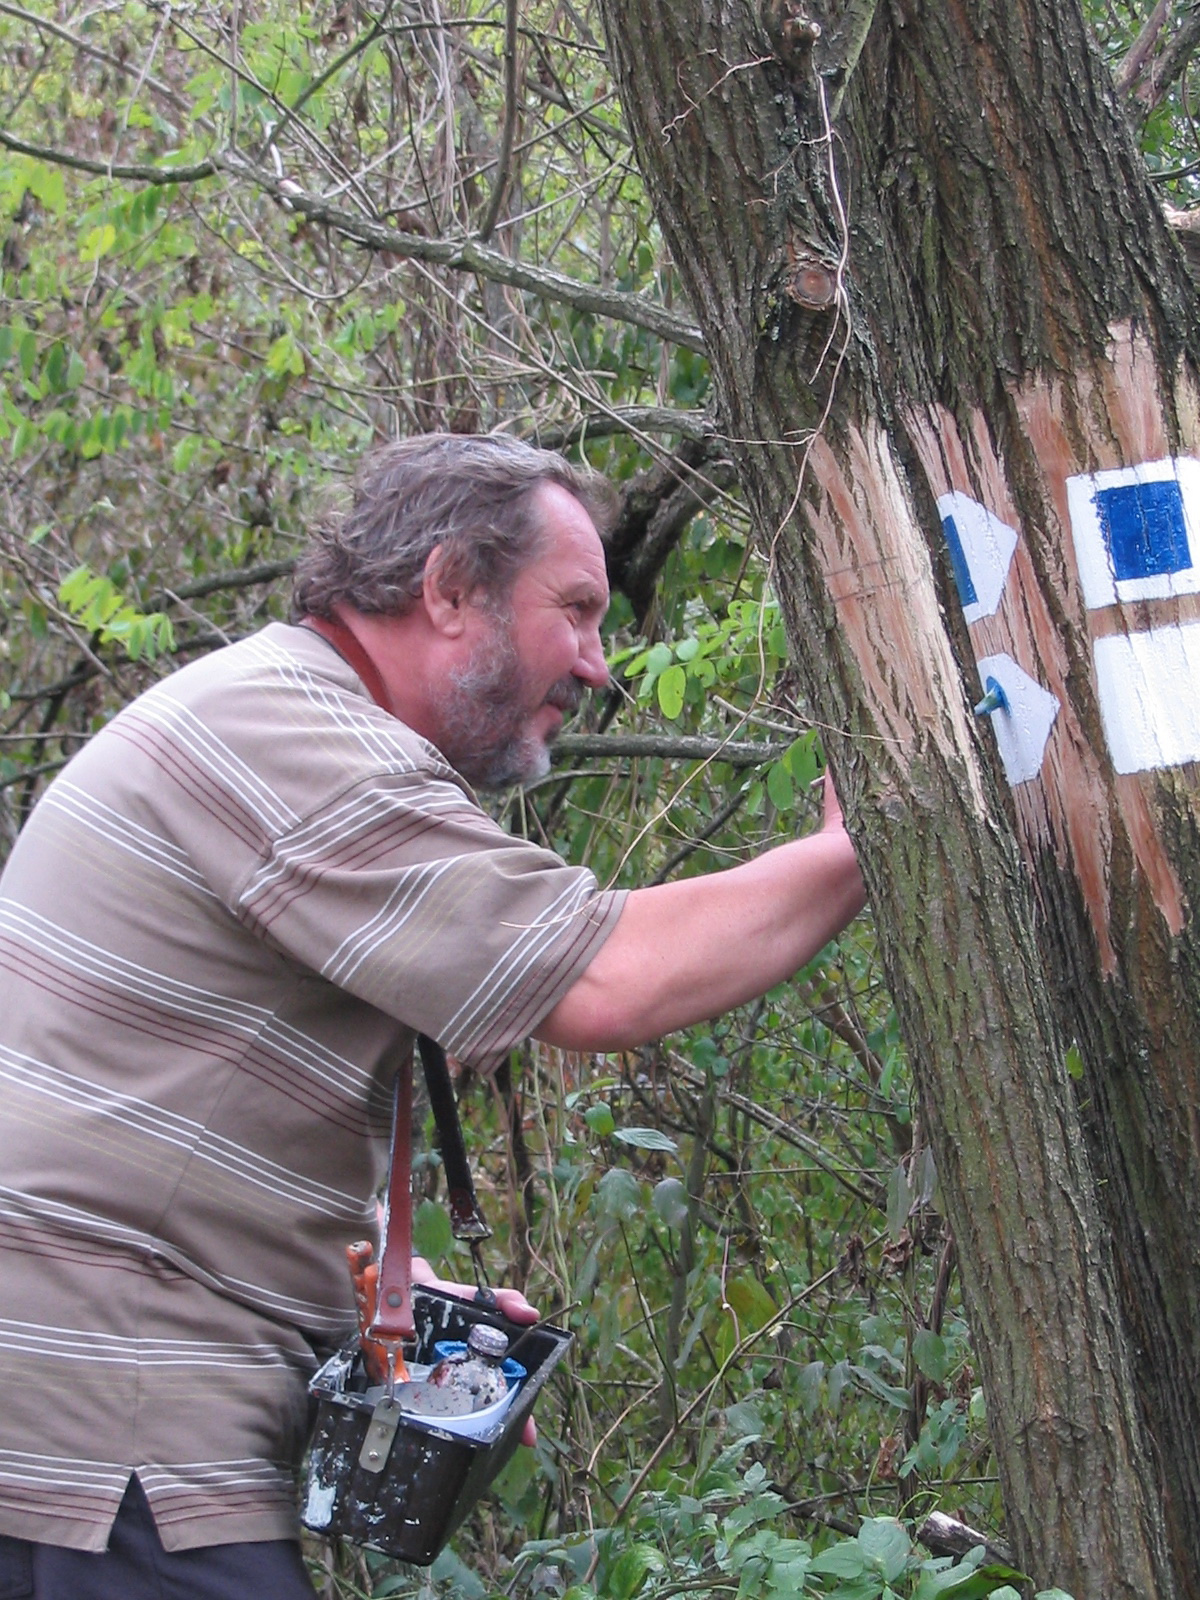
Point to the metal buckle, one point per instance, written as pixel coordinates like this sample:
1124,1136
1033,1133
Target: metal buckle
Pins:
377,1445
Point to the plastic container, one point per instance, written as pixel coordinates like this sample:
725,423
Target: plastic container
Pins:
402,1484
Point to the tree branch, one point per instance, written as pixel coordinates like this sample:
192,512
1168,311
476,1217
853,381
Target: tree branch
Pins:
668,747
627,419
1152,76
511,107
465,255
468,255
656,506
242,578
1140,50
44,25
104,169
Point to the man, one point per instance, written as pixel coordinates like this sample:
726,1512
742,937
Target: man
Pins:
224,923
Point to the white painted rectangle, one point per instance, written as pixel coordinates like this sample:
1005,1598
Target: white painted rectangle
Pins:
1149,689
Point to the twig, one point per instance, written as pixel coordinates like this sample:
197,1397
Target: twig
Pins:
511,107
44,25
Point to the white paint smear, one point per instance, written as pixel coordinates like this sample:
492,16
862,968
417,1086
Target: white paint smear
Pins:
1149,688
318,1511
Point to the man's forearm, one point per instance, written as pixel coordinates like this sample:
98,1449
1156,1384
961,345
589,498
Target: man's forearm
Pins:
686,951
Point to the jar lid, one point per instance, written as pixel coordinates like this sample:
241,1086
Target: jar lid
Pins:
485,1340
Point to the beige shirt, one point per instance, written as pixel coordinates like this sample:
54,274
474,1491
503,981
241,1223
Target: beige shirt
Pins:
220,927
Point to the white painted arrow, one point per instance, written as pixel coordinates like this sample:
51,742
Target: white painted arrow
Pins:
981,549
1023,727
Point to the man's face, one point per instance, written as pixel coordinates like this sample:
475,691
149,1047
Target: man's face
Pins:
530,664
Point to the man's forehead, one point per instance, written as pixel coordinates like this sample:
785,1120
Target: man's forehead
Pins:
571,550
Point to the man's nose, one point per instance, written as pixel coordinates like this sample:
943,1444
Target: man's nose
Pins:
591,665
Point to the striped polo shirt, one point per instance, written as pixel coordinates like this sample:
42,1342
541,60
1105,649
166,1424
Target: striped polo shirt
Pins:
218,931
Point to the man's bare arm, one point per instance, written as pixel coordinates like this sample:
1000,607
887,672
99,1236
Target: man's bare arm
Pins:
683,952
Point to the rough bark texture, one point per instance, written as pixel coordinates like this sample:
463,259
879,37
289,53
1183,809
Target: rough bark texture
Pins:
971,290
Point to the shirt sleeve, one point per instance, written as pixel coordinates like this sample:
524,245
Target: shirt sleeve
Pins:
404,893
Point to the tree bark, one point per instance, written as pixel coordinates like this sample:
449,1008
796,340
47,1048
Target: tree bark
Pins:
967,289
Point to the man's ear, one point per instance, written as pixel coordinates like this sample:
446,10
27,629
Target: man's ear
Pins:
445,603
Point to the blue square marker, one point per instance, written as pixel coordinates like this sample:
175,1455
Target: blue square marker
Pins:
1144,529
958,563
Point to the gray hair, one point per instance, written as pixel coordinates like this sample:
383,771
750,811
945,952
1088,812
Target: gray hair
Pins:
470,494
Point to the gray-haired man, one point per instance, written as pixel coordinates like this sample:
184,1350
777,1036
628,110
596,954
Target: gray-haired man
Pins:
225,921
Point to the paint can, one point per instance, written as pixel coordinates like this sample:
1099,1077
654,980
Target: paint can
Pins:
400,1483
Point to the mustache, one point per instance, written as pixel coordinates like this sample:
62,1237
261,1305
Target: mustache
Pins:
567,695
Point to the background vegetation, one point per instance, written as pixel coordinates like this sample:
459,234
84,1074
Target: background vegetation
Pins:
240,244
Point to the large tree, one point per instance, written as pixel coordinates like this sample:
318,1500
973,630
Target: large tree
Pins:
943,310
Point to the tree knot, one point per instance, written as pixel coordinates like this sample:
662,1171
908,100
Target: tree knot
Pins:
792,34
810,282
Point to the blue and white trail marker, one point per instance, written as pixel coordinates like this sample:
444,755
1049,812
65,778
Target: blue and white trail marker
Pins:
1137,531
1137,537
1023,722
981,549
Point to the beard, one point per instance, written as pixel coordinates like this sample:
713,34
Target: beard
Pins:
485,711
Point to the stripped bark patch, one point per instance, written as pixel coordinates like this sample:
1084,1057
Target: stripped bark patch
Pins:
879,576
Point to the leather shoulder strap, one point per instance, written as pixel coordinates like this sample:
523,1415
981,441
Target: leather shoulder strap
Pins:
393,1307
466,1218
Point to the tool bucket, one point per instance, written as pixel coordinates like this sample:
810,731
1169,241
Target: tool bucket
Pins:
407,1488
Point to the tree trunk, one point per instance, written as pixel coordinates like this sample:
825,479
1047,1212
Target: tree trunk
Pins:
925,333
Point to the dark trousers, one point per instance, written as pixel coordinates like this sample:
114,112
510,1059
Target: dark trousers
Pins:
136,1567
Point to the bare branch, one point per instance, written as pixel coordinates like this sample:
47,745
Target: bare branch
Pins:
243,578
104,169
1152,76
627,419
468,255
667,747
511,107
1141,49
44,25
465,255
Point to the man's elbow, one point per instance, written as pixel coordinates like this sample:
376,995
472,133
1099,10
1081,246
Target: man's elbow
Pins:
589,1018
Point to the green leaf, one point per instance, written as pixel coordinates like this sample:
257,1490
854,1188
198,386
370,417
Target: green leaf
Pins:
285,357
450,1569
670,1202
55,368
751,1303
432,1235
891,1392
885,1545
1074,1064
780,788
672,685
899,1199
646,1139
600,1120
618,1195
97,242
631,1569
929,1352
803,759
842,1560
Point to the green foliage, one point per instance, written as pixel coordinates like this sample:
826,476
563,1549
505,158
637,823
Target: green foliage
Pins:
99,607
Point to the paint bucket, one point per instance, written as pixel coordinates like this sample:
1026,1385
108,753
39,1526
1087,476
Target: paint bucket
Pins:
402,1484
